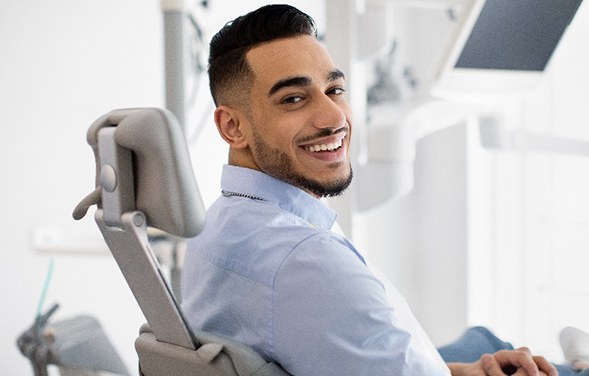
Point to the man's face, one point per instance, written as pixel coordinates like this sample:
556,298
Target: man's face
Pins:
300,120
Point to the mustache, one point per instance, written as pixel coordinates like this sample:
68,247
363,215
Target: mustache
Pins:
323,133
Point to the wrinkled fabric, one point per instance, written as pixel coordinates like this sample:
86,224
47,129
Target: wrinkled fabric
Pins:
268,271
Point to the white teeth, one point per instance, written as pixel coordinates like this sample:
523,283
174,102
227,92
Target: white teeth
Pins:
325,147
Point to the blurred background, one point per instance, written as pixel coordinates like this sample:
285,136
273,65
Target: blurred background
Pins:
473,201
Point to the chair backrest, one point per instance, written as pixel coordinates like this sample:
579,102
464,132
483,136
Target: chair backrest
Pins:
144,177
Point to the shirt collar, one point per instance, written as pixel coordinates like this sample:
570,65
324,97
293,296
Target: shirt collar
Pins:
256,184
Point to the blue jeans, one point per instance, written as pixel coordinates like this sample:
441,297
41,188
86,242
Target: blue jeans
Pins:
477,341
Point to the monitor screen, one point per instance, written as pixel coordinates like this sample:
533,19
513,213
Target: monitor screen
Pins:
504,45
516,34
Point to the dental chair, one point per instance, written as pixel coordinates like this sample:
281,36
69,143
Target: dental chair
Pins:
144,178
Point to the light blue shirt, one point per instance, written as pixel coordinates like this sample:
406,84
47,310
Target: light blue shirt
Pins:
268,271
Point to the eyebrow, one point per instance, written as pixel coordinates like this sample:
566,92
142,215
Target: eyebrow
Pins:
299,81
335,75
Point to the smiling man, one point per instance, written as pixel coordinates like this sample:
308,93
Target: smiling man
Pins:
267,270
295,124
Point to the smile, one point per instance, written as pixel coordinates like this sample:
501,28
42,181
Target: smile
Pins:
324,147
330,143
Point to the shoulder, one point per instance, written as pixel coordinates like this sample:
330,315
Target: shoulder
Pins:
254,238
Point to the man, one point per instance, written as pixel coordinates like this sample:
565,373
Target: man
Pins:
267,271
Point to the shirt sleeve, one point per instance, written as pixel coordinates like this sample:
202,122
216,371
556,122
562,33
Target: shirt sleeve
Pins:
332,317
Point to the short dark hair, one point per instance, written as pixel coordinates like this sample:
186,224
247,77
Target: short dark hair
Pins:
228,68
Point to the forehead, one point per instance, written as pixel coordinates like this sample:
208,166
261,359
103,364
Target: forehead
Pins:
298,56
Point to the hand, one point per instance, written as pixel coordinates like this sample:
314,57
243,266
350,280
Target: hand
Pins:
517,362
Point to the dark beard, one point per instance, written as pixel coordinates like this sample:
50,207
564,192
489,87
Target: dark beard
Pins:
277,164
331,189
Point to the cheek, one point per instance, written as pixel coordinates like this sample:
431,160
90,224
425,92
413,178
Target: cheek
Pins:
279,128
283,141
279,133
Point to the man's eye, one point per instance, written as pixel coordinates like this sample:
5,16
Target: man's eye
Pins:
336,91
292,99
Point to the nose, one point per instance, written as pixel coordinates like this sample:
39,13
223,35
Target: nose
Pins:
330,113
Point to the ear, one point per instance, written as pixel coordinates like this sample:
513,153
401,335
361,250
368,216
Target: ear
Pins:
230,126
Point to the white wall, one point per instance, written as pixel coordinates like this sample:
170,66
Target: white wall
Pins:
64,64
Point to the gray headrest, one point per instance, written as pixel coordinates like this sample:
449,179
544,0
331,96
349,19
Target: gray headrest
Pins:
165,187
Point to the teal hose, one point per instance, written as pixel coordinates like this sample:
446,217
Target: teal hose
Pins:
45,287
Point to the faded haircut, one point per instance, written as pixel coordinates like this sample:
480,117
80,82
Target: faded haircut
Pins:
230,76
